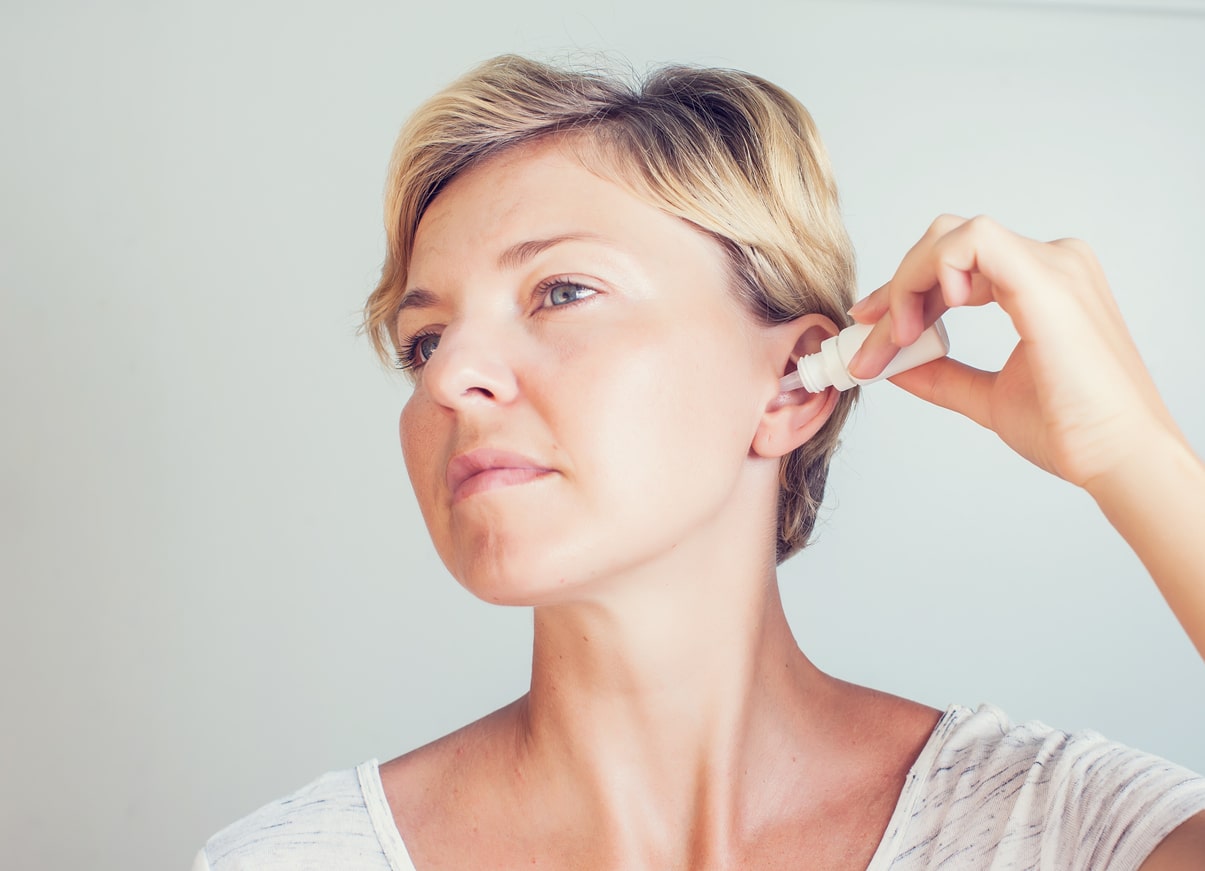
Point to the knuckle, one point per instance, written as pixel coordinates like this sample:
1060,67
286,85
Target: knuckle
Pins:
1077,255
1078,247
982,224
944,223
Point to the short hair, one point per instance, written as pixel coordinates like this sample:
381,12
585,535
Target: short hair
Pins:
729,152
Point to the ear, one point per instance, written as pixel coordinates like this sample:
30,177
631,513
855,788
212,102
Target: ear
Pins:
790,419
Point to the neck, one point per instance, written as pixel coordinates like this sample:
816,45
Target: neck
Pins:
670,699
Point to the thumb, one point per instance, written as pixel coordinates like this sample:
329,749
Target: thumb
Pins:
952,385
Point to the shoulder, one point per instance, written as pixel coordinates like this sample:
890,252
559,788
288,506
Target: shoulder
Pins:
983,753
1030,792
325,824
453,775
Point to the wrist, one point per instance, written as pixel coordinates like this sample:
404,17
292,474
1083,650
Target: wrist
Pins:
1159,465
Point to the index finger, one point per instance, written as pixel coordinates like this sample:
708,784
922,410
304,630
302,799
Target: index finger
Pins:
971,263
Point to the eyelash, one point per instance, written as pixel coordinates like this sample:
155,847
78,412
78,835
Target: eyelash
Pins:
407,358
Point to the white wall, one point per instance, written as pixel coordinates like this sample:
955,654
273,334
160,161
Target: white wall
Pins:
216,583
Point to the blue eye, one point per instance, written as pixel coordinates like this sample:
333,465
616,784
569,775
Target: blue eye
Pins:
424,347
564,292
417,351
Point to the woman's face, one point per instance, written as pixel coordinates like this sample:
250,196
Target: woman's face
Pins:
587,386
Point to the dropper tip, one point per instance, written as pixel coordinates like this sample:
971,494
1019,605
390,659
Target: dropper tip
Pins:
793,381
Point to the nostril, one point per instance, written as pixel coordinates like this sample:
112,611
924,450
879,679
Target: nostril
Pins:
455,378
467,365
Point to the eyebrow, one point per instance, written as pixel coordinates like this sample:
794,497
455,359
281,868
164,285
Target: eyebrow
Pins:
416,297
516,255
512,258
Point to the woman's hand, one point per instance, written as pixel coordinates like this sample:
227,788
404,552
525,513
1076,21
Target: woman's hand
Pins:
1074,397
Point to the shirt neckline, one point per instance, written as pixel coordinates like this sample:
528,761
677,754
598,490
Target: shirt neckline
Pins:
918,774
381,816
394,847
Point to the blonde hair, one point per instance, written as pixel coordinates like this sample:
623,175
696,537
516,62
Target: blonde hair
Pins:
729,152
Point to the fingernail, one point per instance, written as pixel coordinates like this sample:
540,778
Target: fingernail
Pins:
852,366
856,307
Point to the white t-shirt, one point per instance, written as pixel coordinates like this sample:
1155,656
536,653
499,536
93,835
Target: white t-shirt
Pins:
982,794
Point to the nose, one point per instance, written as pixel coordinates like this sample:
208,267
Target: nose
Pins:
470,365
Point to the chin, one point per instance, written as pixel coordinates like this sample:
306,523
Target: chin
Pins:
544,574
502,576
499,588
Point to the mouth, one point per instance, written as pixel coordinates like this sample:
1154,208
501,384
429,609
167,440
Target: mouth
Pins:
485,469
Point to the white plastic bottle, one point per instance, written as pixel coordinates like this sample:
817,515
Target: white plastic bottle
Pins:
830,367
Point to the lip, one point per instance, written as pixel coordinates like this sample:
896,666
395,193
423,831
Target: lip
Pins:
488,468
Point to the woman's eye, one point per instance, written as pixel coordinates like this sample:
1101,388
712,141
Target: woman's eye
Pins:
418,351
424,347
564,293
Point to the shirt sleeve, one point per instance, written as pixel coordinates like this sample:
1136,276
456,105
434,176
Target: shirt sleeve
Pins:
1112,805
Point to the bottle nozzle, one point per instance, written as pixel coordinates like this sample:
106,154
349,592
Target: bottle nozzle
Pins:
790,382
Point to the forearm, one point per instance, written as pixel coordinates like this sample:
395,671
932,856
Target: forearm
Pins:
1157,503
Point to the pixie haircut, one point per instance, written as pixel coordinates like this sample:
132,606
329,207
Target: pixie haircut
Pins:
730,153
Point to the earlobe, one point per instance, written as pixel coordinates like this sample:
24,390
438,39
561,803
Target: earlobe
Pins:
792,418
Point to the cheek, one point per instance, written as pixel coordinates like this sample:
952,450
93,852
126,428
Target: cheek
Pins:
667,413
406,433
417,437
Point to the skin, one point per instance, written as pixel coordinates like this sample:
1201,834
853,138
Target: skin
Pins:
672,721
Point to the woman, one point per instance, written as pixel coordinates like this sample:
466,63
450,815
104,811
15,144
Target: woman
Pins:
596,292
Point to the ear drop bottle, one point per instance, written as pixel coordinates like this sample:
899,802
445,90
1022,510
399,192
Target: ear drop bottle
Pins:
830,366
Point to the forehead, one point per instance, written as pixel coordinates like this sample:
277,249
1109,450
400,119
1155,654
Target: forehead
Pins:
540,191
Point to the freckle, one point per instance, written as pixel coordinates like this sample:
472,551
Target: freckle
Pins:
584,638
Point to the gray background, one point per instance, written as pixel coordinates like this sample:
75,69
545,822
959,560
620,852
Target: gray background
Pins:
216,582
